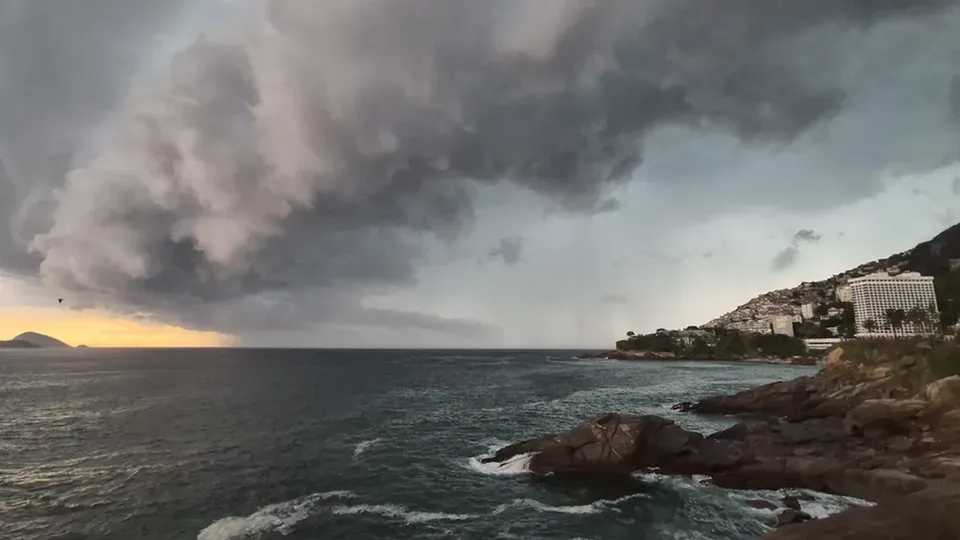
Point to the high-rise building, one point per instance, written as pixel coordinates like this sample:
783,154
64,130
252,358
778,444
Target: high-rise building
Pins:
806,310
873,295
782,324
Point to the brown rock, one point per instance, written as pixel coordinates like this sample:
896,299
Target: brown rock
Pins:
835,357
883,416
944,392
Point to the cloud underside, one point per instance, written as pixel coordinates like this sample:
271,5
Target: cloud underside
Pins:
284,175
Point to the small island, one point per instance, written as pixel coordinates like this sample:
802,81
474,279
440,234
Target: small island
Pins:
33,340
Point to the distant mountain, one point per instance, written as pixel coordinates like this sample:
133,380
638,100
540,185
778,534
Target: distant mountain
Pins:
938,257
33,340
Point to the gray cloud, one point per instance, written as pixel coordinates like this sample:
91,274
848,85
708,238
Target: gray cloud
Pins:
789,255
509,250
806,235
316,152
614,299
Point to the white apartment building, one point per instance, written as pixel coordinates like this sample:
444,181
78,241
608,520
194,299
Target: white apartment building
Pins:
873,295
806,311
782,324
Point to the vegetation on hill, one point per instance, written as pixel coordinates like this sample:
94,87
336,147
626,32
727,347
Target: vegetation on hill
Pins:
18,344
717,343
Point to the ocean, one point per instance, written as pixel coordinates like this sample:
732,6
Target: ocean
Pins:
234,444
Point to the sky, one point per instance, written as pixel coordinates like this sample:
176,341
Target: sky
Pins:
452,173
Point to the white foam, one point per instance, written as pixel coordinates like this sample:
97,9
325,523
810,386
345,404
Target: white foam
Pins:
398,512
280,517
363,446
517,465
593,508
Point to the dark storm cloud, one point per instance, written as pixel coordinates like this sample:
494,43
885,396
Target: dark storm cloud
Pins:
509,250
314,153
789,255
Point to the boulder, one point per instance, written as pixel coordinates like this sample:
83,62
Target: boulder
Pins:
619,444
761,504
883,416
835,357
944,392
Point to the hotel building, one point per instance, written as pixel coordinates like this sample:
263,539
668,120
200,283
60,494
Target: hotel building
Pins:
873,295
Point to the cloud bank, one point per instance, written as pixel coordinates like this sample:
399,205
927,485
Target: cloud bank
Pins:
276,178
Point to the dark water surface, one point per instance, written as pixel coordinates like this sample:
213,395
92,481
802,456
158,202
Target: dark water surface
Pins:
263,444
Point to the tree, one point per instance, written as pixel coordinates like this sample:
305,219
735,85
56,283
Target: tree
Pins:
821,310
895,320
701,349
917,318
631,333
870,325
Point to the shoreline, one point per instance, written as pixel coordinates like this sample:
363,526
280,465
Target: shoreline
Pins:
618,354
880,422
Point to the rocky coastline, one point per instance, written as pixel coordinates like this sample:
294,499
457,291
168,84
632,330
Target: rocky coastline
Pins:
619,354
880,422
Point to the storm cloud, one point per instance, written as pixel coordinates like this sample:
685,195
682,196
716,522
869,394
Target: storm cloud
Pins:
789,255
283,174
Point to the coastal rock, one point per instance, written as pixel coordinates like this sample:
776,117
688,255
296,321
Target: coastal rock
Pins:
883,416
761,504
944,392
791,516
617,444
930,515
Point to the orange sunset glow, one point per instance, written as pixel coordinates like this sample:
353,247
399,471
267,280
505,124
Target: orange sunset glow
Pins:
97,329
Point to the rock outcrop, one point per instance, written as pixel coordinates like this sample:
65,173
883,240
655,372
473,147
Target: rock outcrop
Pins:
878,430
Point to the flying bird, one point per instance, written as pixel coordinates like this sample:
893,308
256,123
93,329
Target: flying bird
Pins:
59,300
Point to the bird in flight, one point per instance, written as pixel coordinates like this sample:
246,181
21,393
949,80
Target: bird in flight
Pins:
59,300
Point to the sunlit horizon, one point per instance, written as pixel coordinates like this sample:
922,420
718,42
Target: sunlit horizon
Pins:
102,330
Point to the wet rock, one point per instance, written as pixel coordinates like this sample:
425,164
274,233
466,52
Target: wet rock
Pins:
792,502
761,504
791,517
930,515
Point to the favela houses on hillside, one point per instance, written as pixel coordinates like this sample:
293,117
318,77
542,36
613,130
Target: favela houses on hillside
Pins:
791,322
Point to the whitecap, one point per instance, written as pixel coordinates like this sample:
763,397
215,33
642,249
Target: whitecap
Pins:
592,508
398,512
280,517
517,465
363,446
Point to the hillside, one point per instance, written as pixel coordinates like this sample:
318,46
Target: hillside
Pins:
938,257
35,341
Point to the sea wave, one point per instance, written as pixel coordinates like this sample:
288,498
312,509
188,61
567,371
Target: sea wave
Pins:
363,446
398,512
595,507
280,517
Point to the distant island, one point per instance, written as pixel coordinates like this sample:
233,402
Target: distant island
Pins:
33,340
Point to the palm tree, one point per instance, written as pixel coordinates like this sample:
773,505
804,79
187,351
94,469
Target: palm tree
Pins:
870,325
918,320
895,319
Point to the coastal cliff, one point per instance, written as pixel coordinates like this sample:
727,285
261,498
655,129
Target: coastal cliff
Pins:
880,422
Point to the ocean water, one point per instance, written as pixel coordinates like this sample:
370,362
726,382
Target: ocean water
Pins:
269,444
